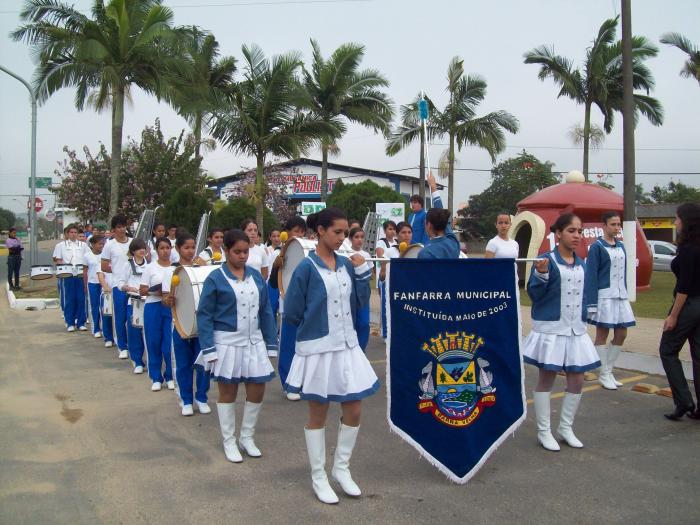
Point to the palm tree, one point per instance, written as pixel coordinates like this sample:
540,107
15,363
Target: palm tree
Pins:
201,78
410,129
691,68
462,126
338,90
102,57
266,116
600,81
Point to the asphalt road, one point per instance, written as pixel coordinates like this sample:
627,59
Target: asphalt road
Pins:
83,440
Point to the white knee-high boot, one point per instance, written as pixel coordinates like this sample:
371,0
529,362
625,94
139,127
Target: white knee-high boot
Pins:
605,377
316,448
248,424
566,421
613,354
341,462
542,412
227,423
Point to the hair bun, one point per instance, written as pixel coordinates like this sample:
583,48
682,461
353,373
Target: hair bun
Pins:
312,221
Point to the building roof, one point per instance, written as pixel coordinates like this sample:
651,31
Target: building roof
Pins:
352,170
653,211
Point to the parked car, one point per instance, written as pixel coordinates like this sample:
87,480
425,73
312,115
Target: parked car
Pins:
663,253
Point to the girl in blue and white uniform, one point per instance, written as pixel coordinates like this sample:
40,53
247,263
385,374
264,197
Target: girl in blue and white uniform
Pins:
95,284
185,351
157,317
130,276
558,340
236,329
606,291
325,294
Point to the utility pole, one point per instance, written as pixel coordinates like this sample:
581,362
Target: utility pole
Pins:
32,224
629,214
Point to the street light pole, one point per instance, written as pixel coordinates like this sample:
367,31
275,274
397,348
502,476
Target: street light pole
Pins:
33,254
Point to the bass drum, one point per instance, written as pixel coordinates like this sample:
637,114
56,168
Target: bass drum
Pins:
41,271
190,281
293,252
412,251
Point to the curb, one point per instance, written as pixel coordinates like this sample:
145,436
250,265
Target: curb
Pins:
649,364
24,304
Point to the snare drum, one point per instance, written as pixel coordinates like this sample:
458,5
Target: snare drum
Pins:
412,251
187,293
78,270
107,304
41,271
64,271
137,308
293,252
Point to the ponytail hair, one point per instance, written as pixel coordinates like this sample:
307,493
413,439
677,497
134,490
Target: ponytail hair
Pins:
438,218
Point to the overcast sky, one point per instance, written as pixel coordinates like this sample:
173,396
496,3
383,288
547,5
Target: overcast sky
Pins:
411,43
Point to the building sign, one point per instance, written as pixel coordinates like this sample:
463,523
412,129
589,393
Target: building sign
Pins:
657,223
307,208
293,184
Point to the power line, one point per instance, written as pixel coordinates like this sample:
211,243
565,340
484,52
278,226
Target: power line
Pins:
593,172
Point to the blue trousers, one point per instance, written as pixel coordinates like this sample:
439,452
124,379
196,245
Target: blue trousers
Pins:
120,300
274,296
288,336
382,291
363,327
135,340
186,352
94,292
61,297
157,325
106,323
74,302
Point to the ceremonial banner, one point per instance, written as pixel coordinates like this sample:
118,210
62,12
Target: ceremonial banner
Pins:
454,369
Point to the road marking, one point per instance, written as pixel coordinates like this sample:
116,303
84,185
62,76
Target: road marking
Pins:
598,387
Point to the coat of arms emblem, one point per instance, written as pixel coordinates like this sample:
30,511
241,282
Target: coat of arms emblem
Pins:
456,385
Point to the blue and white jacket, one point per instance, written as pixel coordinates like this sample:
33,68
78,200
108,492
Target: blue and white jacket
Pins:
323,304
558,297
606,271
443,247
234,312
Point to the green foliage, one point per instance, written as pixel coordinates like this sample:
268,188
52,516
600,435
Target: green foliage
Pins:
185,209
231,215
7,219
358,199
640,196
675,192
691,67
511,181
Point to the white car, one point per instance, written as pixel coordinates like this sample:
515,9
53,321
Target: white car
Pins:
663,253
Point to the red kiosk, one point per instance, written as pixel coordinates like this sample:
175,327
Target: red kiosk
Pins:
538,212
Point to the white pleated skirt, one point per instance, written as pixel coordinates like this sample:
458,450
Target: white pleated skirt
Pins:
613,313
239,364
341,376
571,353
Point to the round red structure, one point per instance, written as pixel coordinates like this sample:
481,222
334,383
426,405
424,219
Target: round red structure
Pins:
537,212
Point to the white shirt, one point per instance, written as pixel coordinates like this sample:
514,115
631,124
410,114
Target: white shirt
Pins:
204,255
155,274
392,253
174,256
503,249
257,257
116,253
70,252
93,262
131,276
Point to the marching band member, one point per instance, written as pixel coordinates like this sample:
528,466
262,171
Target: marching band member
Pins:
130,276
295,227
216,245
59,283
236,328
347,245
72,251
442,244
502,246
114,255
324,296
558,340
157,317
273,249
257,257
606,291
185,351
95,279
404,234
157,233
172,234
357,239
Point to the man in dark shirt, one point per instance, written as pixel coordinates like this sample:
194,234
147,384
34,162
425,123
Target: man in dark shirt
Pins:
14,258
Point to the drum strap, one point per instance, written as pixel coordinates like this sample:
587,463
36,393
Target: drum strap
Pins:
136,269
